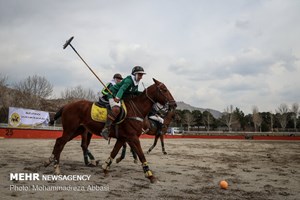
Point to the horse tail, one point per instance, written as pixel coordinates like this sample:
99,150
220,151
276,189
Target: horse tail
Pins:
56,116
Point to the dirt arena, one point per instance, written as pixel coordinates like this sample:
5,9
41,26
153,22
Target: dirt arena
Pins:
191,170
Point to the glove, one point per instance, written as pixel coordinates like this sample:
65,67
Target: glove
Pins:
117,100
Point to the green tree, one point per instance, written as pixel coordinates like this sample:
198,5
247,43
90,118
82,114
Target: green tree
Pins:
197,116
240,116
208,119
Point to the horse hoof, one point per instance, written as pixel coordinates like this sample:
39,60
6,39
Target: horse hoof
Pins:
148,152
118,160
105,173
47,163
135,161
165,153
152,179
57,169
91,165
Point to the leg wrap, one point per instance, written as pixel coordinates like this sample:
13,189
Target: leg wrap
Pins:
90,155
146,169
49,161
57,169
107,163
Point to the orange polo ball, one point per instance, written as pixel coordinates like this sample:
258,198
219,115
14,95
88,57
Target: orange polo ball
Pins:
224,185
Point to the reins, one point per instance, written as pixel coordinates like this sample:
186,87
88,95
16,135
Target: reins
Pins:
137,110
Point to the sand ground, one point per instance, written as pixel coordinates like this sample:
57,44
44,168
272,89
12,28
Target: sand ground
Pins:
191,170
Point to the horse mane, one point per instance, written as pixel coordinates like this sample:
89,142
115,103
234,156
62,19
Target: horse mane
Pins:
132,97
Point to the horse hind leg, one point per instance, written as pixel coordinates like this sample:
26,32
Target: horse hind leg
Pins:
88,157
153,145
49,160
163,144
58,147
123,154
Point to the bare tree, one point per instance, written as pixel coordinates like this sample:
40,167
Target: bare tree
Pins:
3,90
188,119
271,121
4,98
257,118
295,114
207,119
229,117
282,115
77,93
31,91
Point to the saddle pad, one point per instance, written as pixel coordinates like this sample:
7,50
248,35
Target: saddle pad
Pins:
98,114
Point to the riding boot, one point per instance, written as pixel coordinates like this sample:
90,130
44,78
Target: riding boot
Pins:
110,119
106,130
159,128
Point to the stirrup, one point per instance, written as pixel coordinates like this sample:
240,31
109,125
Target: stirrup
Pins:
104,133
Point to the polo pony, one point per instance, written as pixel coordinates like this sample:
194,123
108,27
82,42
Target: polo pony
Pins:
76,120
150,128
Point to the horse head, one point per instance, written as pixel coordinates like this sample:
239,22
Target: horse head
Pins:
163,96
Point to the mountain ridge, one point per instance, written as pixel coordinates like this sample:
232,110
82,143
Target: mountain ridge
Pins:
184,106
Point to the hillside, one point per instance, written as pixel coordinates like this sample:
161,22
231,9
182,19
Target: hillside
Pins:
183,106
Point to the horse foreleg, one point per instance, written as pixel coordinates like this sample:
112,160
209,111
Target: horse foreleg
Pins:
113,154
136,146
163,144
89,159
123,153
154,144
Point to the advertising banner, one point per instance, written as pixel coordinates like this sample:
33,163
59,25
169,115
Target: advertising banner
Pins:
19,117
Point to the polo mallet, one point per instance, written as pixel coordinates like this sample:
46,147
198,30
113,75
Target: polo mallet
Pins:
68,43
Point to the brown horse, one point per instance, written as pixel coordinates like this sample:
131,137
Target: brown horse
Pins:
150,128
76,119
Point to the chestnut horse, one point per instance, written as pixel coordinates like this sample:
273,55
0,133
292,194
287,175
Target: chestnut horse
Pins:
150,128
86,137
76,119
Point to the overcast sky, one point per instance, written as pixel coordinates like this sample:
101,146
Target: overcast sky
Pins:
209,53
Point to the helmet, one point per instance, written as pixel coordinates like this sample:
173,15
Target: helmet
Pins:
118,76
137,70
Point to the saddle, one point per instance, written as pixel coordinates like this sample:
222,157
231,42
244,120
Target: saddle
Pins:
101,109
153,125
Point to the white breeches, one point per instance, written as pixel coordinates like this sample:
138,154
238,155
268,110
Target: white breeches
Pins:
112,103
157,118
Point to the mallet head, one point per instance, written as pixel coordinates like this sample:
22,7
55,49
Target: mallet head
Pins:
68,42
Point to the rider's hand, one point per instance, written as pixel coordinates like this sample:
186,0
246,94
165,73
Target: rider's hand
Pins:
117,100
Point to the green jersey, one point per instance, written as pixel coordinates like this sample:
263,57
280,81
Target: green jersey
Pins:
126,86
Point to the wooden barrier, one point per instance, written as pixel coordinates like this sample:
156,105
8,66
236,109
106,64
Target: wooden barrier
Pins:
20,133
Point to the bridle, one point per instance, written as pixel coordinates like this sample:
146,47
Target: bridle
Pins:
168,103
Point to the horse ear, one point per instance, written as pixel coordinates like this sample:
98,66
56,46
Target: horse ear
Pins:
155,81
